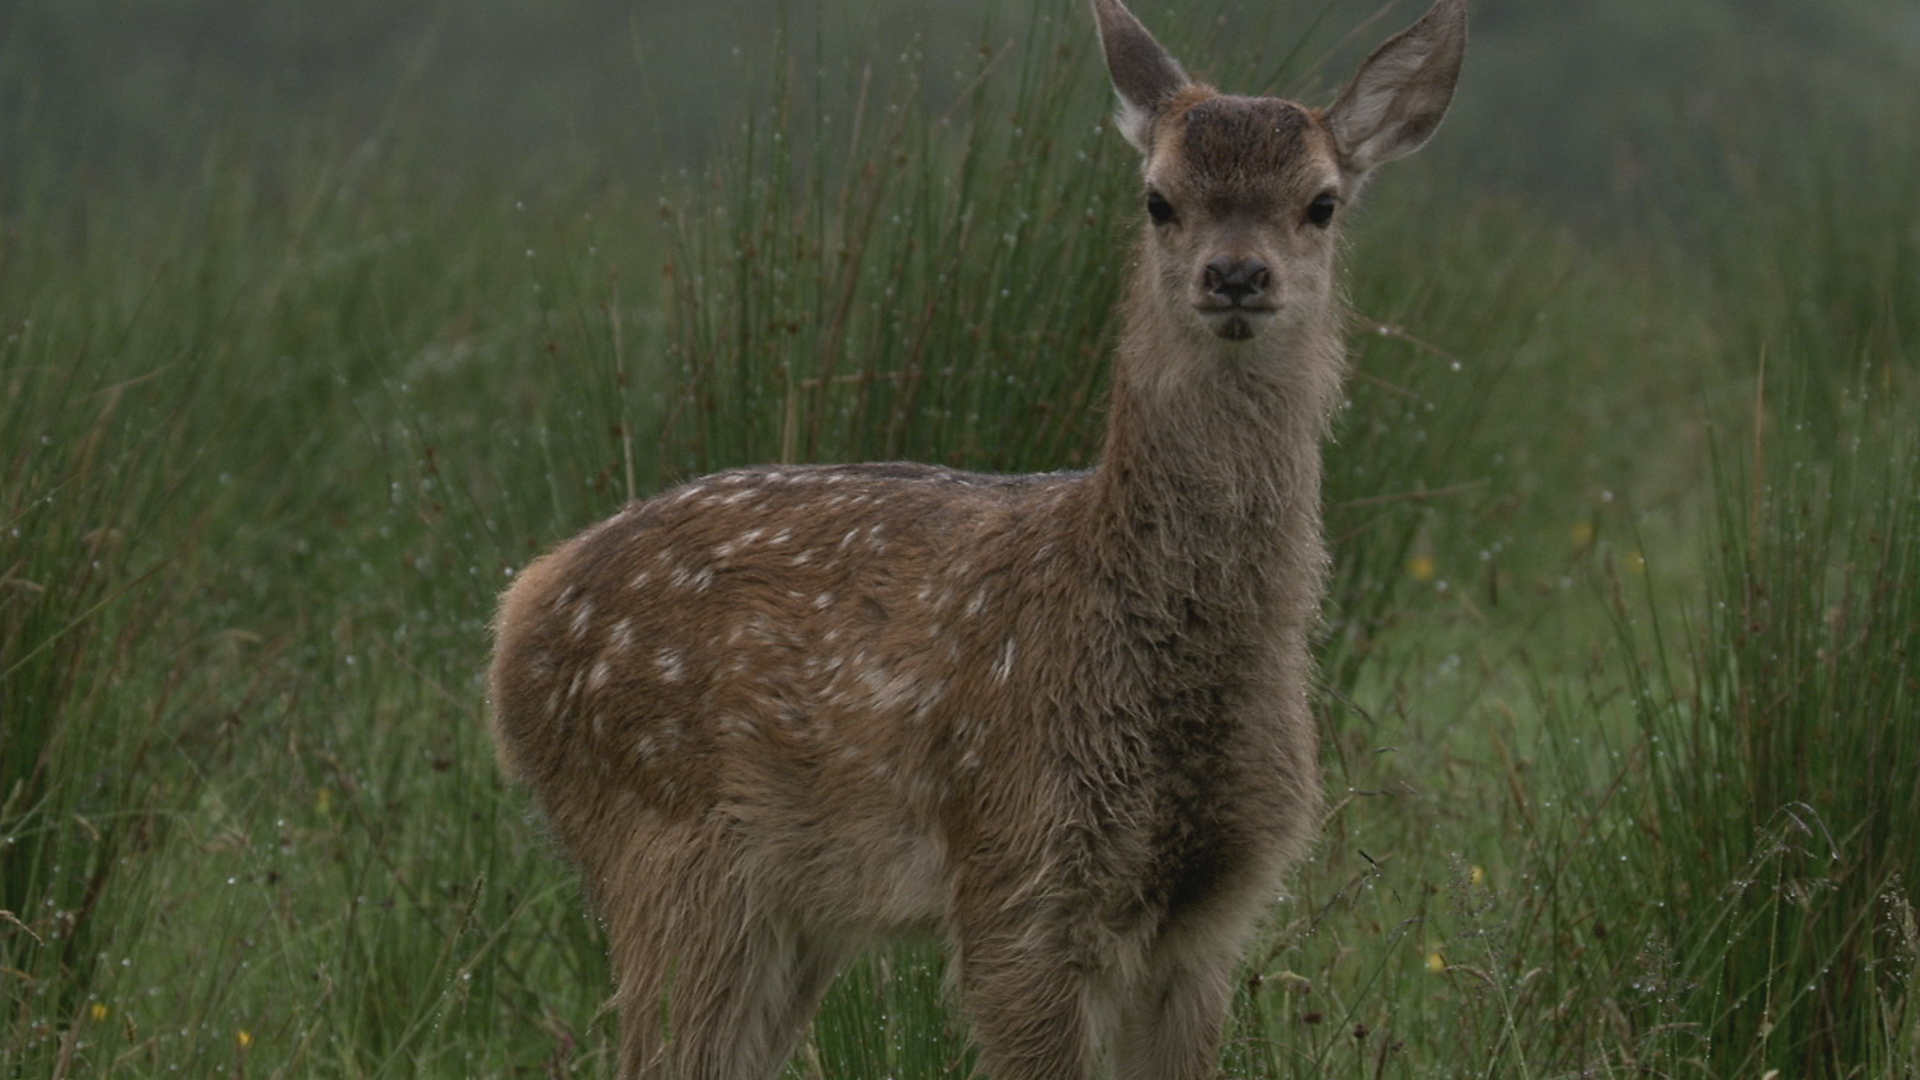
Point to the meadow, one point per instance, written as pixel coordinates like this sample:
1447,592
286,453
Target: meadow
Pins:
1620,674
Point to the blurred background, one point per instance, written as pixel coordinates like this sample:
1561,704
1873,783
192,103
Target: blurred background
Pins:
1576,100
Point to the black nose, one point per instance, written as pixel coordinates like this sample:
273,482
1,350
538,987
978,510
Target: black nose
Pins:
1235,280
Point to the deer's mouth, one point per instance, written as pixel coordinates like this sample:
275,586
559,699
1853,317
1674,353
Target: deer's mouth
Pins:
1234,322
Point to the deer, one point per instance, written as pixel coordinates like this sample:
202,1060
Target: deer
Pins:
779,714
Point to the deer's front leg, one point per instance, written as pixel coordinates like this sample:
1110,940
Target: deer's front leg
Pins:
1030,1001
1170,1022
1170,1028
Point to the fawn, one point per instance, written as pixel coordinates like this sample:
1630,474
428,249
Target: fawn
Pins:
780,713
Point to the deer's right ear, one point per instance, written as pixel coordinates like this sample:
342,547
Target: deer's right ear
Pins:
1145,77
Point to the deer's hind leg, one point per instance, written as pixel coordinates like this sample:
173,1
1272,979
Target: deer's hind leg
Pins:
712,984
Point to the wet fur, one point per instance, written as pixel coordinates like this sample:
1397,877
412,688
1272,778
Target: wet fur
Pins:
778,714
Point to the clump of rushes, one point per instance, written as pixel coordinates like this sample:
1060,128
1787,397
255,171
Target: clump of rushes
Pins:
878,281
89,456
1783,761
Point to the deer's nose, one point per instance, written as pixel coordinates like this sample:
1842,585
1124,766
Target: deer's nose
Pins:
1236,279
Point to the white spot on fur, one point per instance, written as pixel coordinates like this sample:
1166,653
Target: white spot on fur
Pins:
672,667
802,559
892,692
582,616
702,579
977,603
929,697
640,579
597,678
621,636
781,538
1003,667
823,601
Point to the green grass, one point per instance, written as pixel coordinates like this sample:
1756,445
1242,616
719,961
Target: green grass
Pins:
1620,663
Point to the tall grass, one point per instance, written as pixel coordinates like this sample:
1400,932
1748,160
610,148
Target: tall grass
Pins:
887,279
1777,717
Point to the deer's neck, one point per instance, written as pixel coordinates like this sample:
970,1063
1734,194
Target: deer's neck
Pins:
1206,503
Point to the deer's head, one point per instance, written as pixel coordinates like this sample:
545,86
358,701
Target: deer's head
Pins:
1244,195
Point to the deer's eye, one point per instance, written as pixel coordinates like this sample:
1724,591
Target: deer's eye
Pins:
1320,210
1158,208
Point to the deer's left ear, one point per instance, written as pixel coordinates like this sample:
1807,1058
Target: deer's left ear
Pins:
1400,94
1145,77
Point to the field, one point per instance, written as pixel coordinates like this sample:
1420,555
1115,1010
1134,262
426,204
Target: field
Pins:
1620,671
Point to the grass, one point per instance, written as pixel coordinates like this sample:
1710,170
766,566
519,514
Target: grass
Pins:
1620,662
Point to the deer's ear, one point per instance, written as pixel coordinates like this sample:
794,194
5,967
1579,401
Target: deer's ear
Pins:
1145,77
1401,93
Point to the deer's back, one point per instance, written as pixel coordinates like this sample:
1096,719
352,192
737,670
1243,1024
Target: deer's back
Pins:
815,644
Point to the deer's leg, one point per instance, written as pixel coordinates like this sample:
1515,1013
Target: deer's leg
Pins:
1031,1008
712,986
1171,1023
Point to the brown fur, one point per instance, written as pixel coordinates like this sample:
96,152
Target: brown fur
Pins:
779,713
